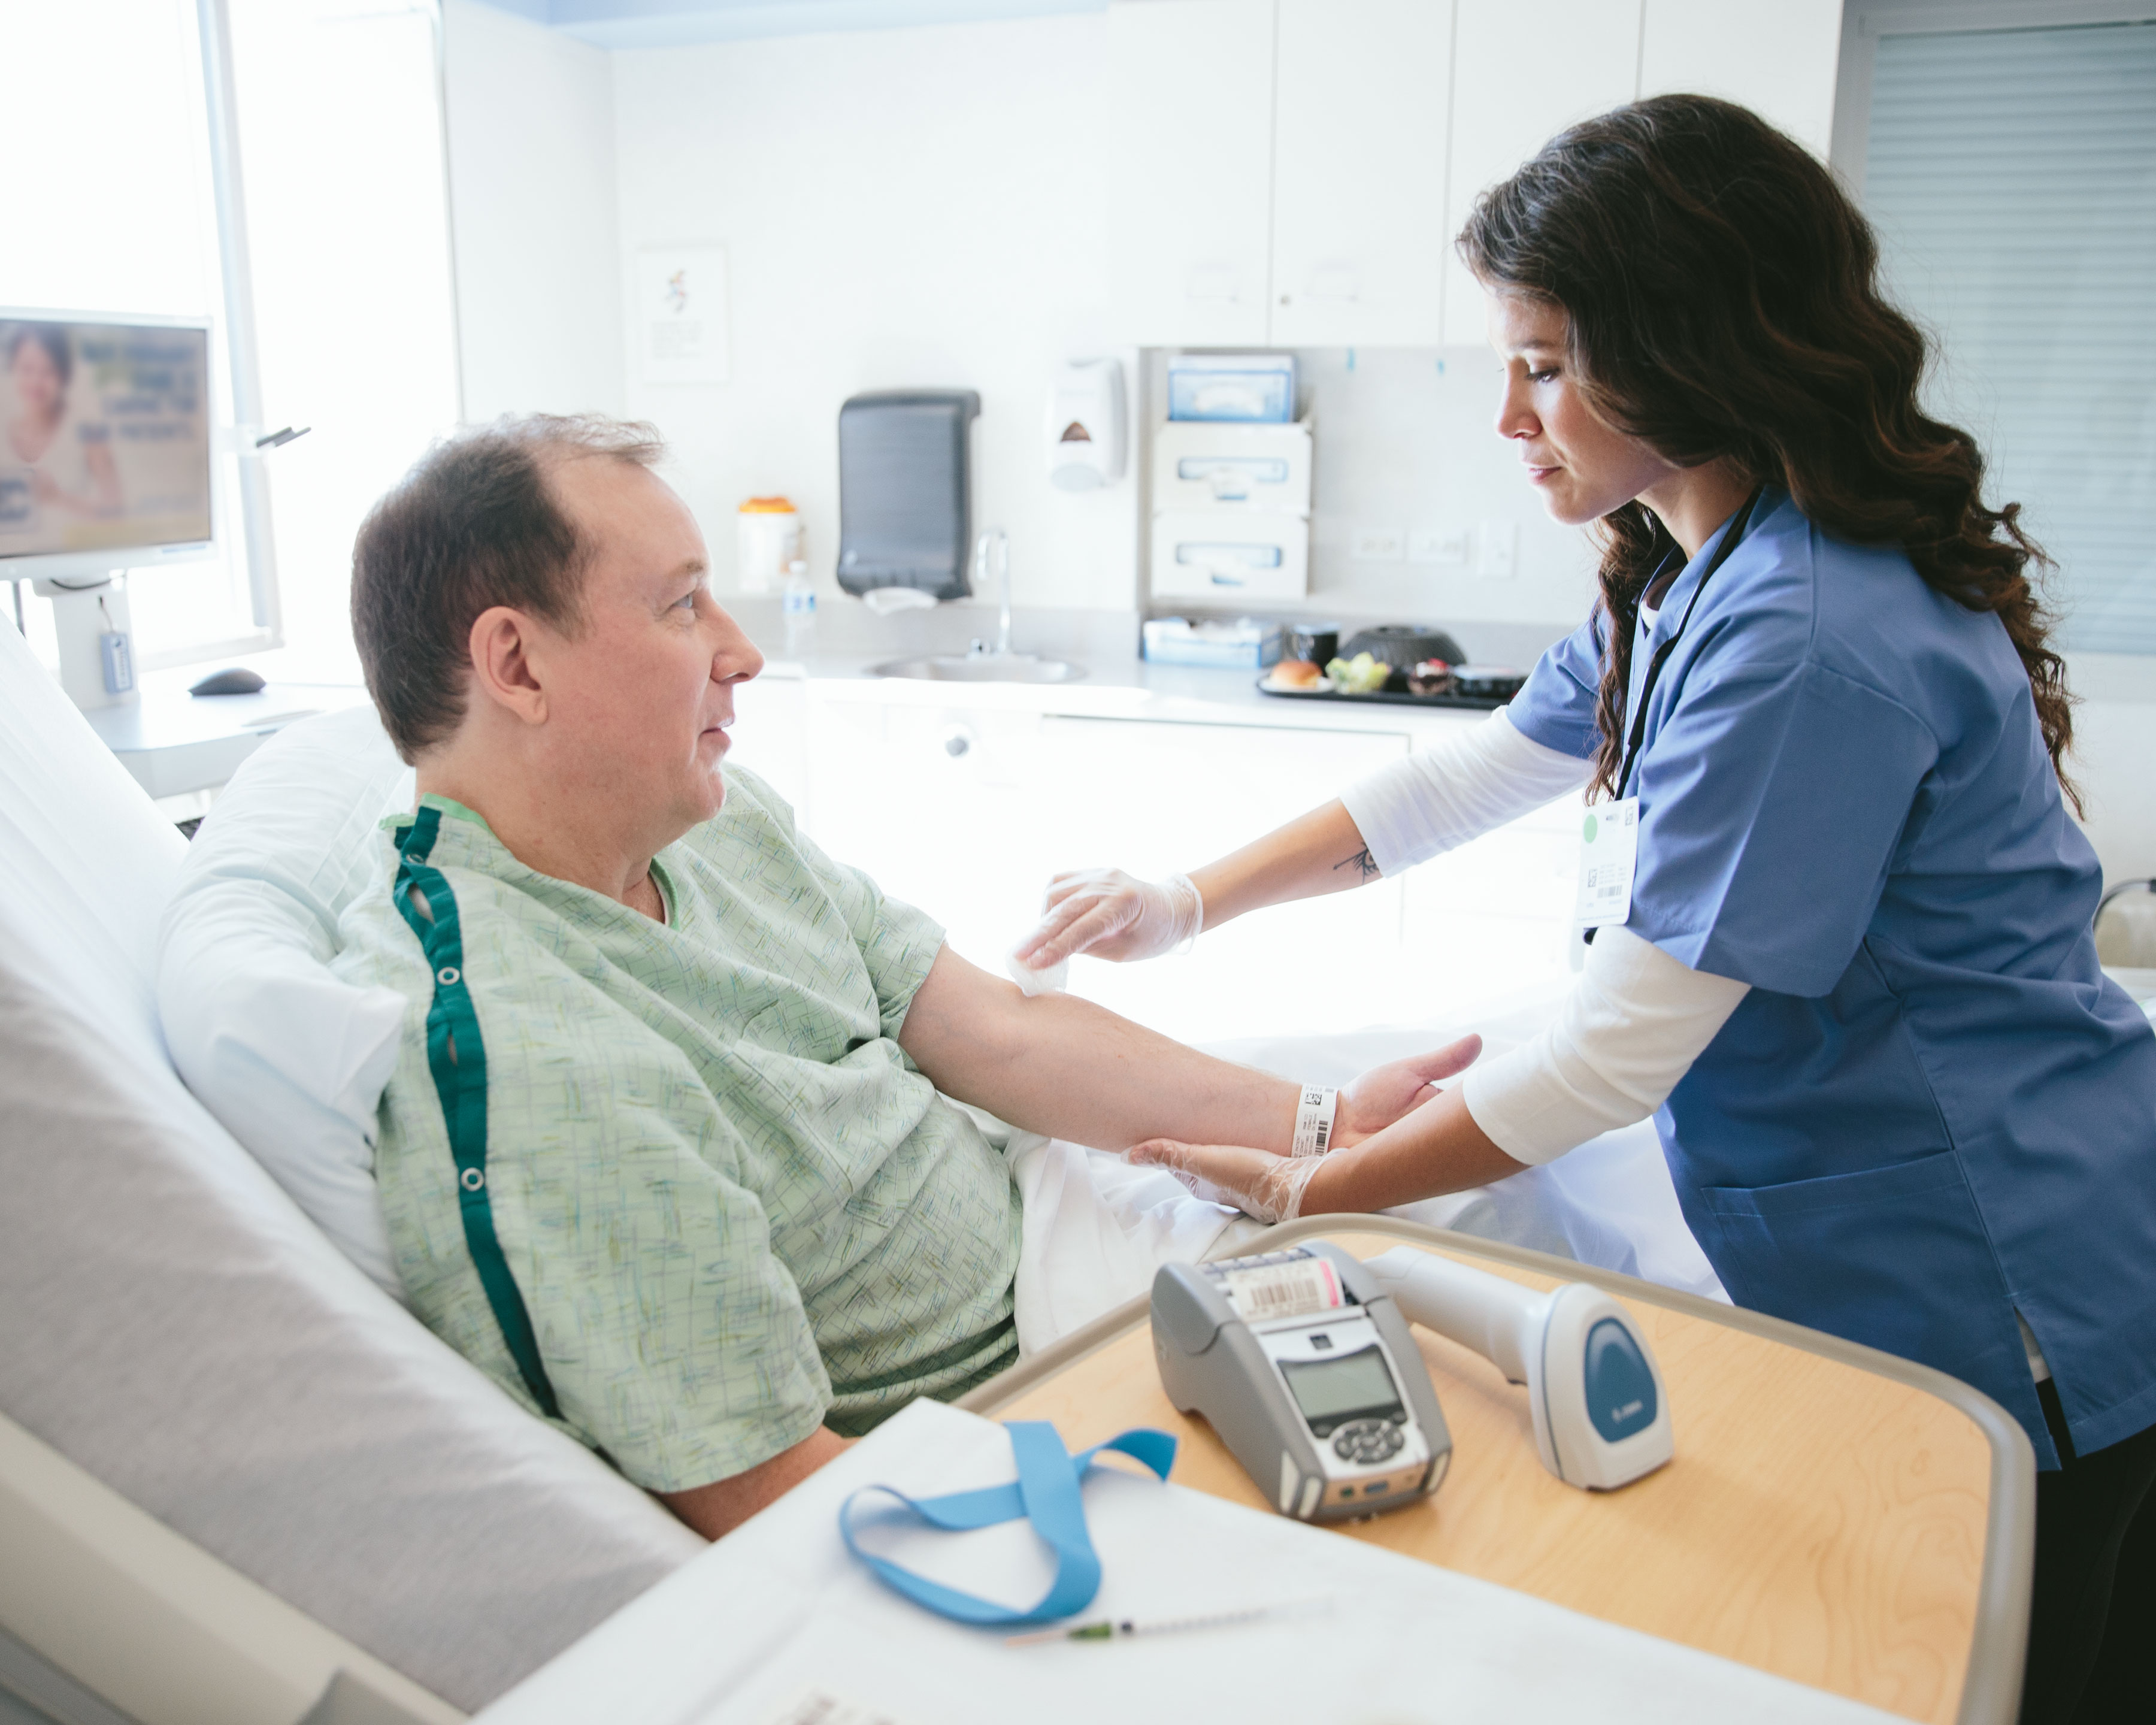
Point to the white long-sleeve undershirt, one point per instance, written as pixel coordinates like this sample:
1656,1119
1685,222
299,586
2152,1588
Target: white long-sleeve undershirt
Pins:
1636,1020
1433,801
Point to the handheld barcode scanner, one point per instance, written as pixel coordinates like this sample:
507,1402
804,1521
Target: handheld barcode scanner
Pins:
1600,1413
1309,1375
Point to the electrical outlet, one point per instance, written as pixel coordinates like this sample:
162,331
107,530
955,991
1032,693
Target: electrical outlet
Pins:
1500,551
1429,545
1380,545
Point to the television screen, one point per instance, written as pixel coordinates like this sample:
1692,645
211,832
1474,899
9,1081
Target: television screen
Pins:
105,439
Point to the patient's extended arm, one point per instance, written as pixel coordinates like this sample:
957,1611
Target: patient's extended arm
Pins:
1634,1022
1071,1070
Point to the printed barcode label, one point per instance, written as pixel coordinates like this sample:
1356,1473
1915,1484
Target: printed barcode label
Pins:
1284,1290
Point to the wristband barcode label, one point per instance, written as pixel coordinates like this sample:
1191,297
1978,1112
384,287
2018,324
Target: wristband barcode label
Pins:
1284,1290
1315,1109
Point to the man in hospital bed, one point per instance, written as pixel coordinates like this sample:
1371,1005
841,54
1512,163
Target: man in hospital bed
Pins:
664,1151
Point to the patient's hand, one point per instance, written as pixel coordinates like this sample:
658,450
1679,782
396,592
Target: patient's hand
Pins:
1375,1099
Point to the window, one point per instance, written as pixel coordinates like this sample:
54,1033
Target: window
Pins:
118,215
2012,174
341,166
348,211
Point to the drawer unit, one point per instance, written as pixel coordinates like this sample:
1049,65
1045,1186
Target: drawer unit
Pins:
1231,556
1196,465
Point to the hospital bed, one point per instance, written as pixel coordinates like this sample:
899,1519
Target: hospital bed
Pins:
239,1482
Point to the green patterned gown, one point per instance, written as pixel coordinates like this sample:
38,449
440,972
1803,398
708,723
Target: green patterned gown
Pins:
734,1208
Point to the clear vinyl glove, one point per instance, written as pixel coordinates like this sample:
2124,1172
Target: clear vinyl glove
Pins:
1269,1187
1109,915
1264,1186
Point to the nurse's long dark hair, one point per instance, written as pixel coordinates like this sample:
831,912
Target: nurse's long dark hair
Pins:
1724,302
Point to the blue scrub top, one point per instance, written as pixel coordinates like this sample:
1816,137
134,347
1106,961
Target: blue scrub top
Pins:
1932,1110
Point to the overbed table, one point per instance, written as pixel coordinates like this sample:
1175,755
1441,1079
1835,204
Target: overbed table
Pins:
1834,1515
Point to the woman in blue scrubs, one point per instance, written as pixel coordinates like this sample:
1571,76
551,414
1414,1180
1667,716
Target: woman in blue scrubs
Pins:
1899,1100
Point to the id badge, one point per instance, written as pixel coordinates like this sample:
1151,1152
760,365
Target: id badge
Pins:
1609,853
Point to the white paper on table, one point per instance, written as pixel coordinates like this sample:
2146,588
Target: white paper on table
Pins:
779,1607
679,314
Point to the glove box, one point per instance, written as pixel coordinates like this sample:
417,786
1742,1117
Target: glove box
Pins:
1223,556
1198,466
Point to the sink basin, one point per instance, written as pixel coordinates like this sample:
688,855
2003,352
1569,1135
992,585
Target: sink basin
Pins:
981,668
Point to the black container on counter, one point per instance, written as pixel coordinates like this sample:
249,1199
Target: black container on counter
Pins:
1404,645
1318,642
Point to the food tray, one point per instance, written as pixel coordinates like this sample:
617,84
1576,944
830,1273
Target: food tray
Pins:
1388,697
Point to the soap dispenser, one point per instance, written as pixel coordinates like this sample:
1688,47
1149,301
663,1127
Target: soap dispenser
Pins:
1086,425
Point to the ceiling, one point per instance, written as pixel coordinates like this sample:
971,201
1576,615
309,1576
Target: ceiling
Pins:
675,23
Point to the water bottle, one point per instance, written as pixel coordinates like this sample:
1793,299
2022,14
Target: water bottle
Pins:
800,611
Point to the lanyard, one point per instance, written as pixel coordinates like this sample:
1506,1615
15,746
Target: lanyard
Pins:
1729,543
457,1057
1045,1493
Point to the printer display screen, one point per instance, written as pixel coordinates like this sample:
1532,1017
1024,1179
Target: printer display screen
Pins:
1357,1385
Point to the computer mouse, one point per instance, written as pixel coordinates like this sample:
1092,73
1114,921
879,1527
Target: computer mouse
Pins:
237,680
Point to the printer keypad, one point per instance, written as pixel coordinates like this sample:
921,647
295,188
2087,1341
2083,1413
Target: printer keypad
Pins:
1368,1441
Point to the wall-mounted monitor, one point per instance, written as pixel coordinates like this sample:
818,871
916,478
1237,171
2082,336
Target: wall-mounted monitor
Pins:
104,443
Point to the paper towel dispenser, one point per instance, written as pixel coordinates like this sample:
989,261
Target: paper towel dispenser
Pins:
905,490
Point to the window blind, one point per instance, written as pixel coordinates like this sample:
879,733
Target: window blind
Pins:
2012,176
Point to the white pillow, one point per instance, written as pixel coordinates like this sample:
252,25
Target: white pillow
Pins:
290,1059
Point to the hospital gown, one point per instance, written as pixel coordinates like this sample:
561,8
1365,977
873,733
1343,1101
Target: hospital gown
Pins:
734,1207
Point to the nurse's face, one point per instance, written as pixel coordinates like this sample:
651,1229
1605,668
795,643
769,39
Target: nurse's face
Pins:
1583,468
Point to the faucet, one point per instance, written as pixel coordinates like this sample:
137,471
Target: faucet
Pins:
992,552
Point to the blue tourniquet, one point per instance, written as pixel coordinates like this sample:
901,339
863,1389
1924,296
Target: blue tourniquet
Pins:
1046,1493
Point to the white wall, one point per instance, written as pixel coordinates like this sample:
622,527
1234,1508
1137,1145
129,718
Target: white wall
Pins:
915,207
1407,445
532,193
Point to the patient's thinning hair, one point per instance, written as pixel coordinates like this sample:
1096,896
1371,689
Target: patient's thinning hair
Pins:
474,525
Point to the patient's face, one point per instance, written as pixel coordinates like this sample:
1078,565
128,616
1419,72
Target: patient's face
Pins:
638,701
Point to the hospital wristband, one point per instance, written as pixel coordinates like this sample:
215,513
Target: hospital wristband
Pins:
1316,1105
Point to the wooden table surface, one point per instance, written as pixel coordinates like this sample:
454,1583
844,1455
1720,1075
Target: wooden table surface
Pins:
1819,1521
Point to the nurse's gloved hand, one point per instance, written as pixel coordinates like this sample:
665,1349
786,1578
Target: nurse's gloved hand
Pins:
1269,1187
1264,1186
1112,914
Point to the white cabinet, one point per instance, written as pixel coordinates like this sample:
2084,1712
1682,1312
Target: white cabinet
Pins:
1525,75
770,736
1777,57
1360,120
1291,172
1277,171
966,811
1190,170
1497,914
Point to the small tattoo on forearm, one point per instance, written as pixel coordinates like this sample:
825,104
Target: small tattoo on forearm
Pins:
1365,867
